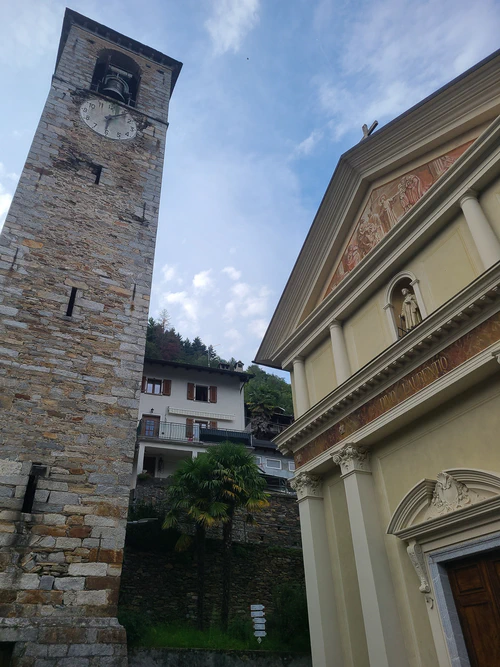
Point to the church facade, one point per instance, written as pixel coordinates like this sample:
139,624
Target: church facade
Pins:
390,328
76,260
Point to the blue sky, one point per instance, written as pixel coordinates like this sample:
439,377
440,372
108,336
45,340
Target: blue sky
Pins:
271,93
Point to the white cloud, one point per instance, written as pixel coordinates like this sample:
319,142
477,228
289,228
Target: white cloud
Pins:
393,54
307,146
230,22
188,304
235,340
247,301
28,30
258,328
233,273
202,281
168,272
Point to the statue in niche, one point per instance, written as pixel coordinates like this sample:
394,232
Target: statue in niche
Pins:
410,312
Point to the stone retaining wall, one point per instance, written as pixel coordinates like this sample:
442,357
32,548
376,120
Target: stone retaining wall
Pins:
276,525
162,586
170,657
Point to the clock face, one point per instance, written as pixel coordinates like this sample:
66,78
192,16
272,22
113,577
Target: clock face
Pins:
108,119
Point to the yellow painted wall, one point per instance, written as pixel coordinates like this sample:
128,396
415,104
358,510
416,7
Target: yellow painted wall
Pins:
457,434
345,579
453,436
490,201
367,333
320,372
447,265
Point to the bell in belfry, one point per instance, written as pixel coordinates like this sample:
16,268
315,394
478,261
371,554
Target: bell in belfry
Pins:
115,86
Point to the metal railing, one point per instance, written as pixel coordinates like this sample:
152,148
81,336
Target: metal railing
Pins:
151,428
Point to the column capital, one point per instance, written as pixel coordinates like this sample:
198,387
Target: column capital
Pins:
307,485
298,360
470,194
334,323
352,458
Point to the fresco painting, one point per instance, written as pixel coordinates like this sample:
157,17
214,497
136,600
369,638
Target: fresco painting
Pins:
386,206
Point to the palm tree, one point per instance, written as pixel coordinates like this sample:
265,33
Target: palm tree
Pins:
192,493
238,483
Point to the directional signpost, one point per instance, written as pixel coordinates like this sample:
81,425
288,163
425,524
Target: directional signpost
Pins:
259,621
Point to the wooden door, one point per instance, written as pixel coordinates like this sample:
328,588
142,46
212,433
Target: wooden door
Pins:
475,583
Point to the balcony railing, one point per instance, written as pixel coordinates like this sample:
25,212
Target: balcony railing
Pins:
150,428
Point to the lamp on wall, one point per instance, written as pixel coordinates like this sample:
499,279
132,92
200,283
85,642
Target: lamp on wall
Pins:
152,410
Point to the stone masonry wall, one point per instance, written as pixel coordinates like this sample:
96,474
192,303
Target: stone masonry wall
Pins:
162,586
275,525
70,385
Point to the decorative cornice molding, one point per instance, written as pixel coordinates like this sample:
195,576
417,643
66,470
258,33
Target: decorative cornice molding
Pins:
307,486
352,458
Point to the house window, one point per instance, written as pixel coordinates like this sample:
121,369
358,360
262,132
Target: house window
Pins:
258,460
273,463
153,386
291,466
201,423
200,392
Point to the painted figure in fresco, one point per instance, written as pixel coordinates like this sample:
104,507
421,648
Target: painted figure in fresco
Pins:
353,257
410,312
414,189
370,232
442,164
403,199
387,209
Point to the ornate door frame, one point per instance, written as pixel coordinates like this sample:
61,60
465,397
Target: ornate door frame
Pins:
454,516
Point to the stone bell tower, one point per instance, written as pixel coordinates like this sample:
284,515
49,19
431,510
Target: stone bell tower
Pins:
76,259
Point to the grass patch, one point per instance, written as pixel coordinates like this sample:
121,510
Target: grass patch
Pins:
142,633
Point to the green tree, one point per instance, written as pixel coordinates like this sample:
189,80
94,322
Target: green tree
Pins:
264,394
194,494
237,482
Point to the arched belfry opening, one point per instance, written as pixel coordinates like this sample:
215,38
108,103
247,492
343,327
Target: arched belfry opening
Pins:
116,75
405,307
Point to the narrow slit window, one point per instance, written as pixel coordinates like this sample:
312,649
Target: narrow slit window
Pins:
29,495
71,303
97,172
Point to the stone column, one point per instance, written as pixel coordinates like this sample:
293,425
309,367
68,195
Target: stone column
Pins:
323,621
300,386
140,461
382,624
340,358
487,243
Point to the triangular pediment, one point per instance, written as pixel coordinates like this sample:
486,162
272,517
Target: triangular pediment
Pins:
385,206
379,185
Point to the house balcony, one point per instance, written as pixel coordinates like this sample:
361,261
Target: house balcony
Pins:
189,433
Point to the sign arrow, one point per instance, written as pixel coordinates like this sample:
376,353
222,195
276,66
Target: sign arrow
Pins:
256,607
260,633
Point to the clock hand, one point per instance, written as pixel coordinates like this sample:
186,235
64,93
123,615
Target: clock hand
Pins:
114,116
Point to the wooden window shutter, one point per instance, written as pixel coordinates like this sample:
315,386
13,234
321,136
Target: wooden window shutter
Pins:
143,386
213,395
189,427
190,394
167,387
213,424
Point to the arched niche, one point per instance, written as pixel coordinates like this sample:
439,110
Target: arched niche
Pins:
394,301
117,75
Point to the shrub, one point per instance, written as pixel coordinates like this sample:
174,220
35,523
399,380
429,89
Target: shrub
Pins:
289,620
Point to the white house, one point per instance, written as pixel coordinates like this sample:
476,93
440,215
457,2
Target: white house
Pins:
183,408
